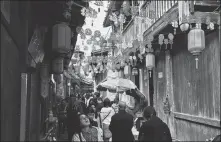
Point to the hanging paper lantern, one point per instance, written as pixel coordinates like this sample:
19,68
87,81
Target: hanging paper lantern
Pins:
134,10
134,71
99,3
184,27
88,32
196,42
77,48
97,33
83,36
79,30
76,55
126,8
61,38
126,70
57,65
89,42
150,61
83,11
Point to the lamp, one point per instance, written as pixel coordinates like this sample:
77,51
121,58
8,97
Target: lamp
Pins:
61,38
150,60
196,41
126,70
134,71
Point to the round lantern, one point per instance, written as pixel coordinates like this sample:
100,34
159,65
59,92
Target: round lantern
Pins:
150,61
196,42
134,71
184,27
57,65
61,38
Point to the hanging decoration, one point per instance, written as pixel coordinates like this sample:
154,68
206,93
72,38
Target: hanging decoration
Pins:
97,33
83,36
134,10
150,58
89,12
77,48
89,42
196,41
160,40
166,43
61,38
126,8
88,32
184,13
175,25
99,3
170,37
79,30
210,25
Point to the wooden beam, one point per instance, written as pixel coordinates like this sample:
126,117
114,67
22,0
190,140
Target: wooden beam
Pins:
197,119
214,17
162,22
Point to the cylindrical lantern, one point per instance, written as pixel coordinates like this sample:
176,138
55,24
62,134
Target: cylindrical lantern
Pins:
57,65
150,61
134,71
196,42
61,38
126,70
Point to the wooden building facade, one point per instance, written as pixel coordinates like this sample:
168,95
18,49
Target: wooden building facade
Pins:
193,94
24,108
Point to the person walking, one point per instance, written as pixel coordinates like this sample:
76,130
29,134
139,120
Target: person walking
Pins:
121,125
85,132
154,129
92,116
115,105
74,108
105,117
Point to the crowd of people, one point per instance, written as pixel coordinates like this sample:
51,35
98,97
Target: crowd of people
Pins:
92,118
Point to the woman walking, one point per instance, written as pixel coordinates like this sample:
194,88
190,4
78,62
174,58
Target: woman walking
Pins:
86,132
105,115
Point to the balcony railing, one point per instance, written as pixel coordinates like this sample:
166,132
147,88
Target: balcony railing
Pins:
154,10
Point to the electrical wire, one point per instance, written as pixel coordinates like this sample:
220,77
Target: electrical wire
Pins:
77,4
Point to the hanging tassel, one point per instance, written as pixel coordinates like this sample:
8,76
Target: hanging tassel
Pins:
174,31
150,73
99,9
196,58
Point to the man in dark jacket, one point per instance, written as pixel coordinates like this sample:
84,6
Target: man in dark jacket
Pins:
154,129
121,125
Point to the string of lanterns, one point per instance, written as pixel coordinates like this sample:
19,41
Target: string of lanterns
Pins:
196,39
